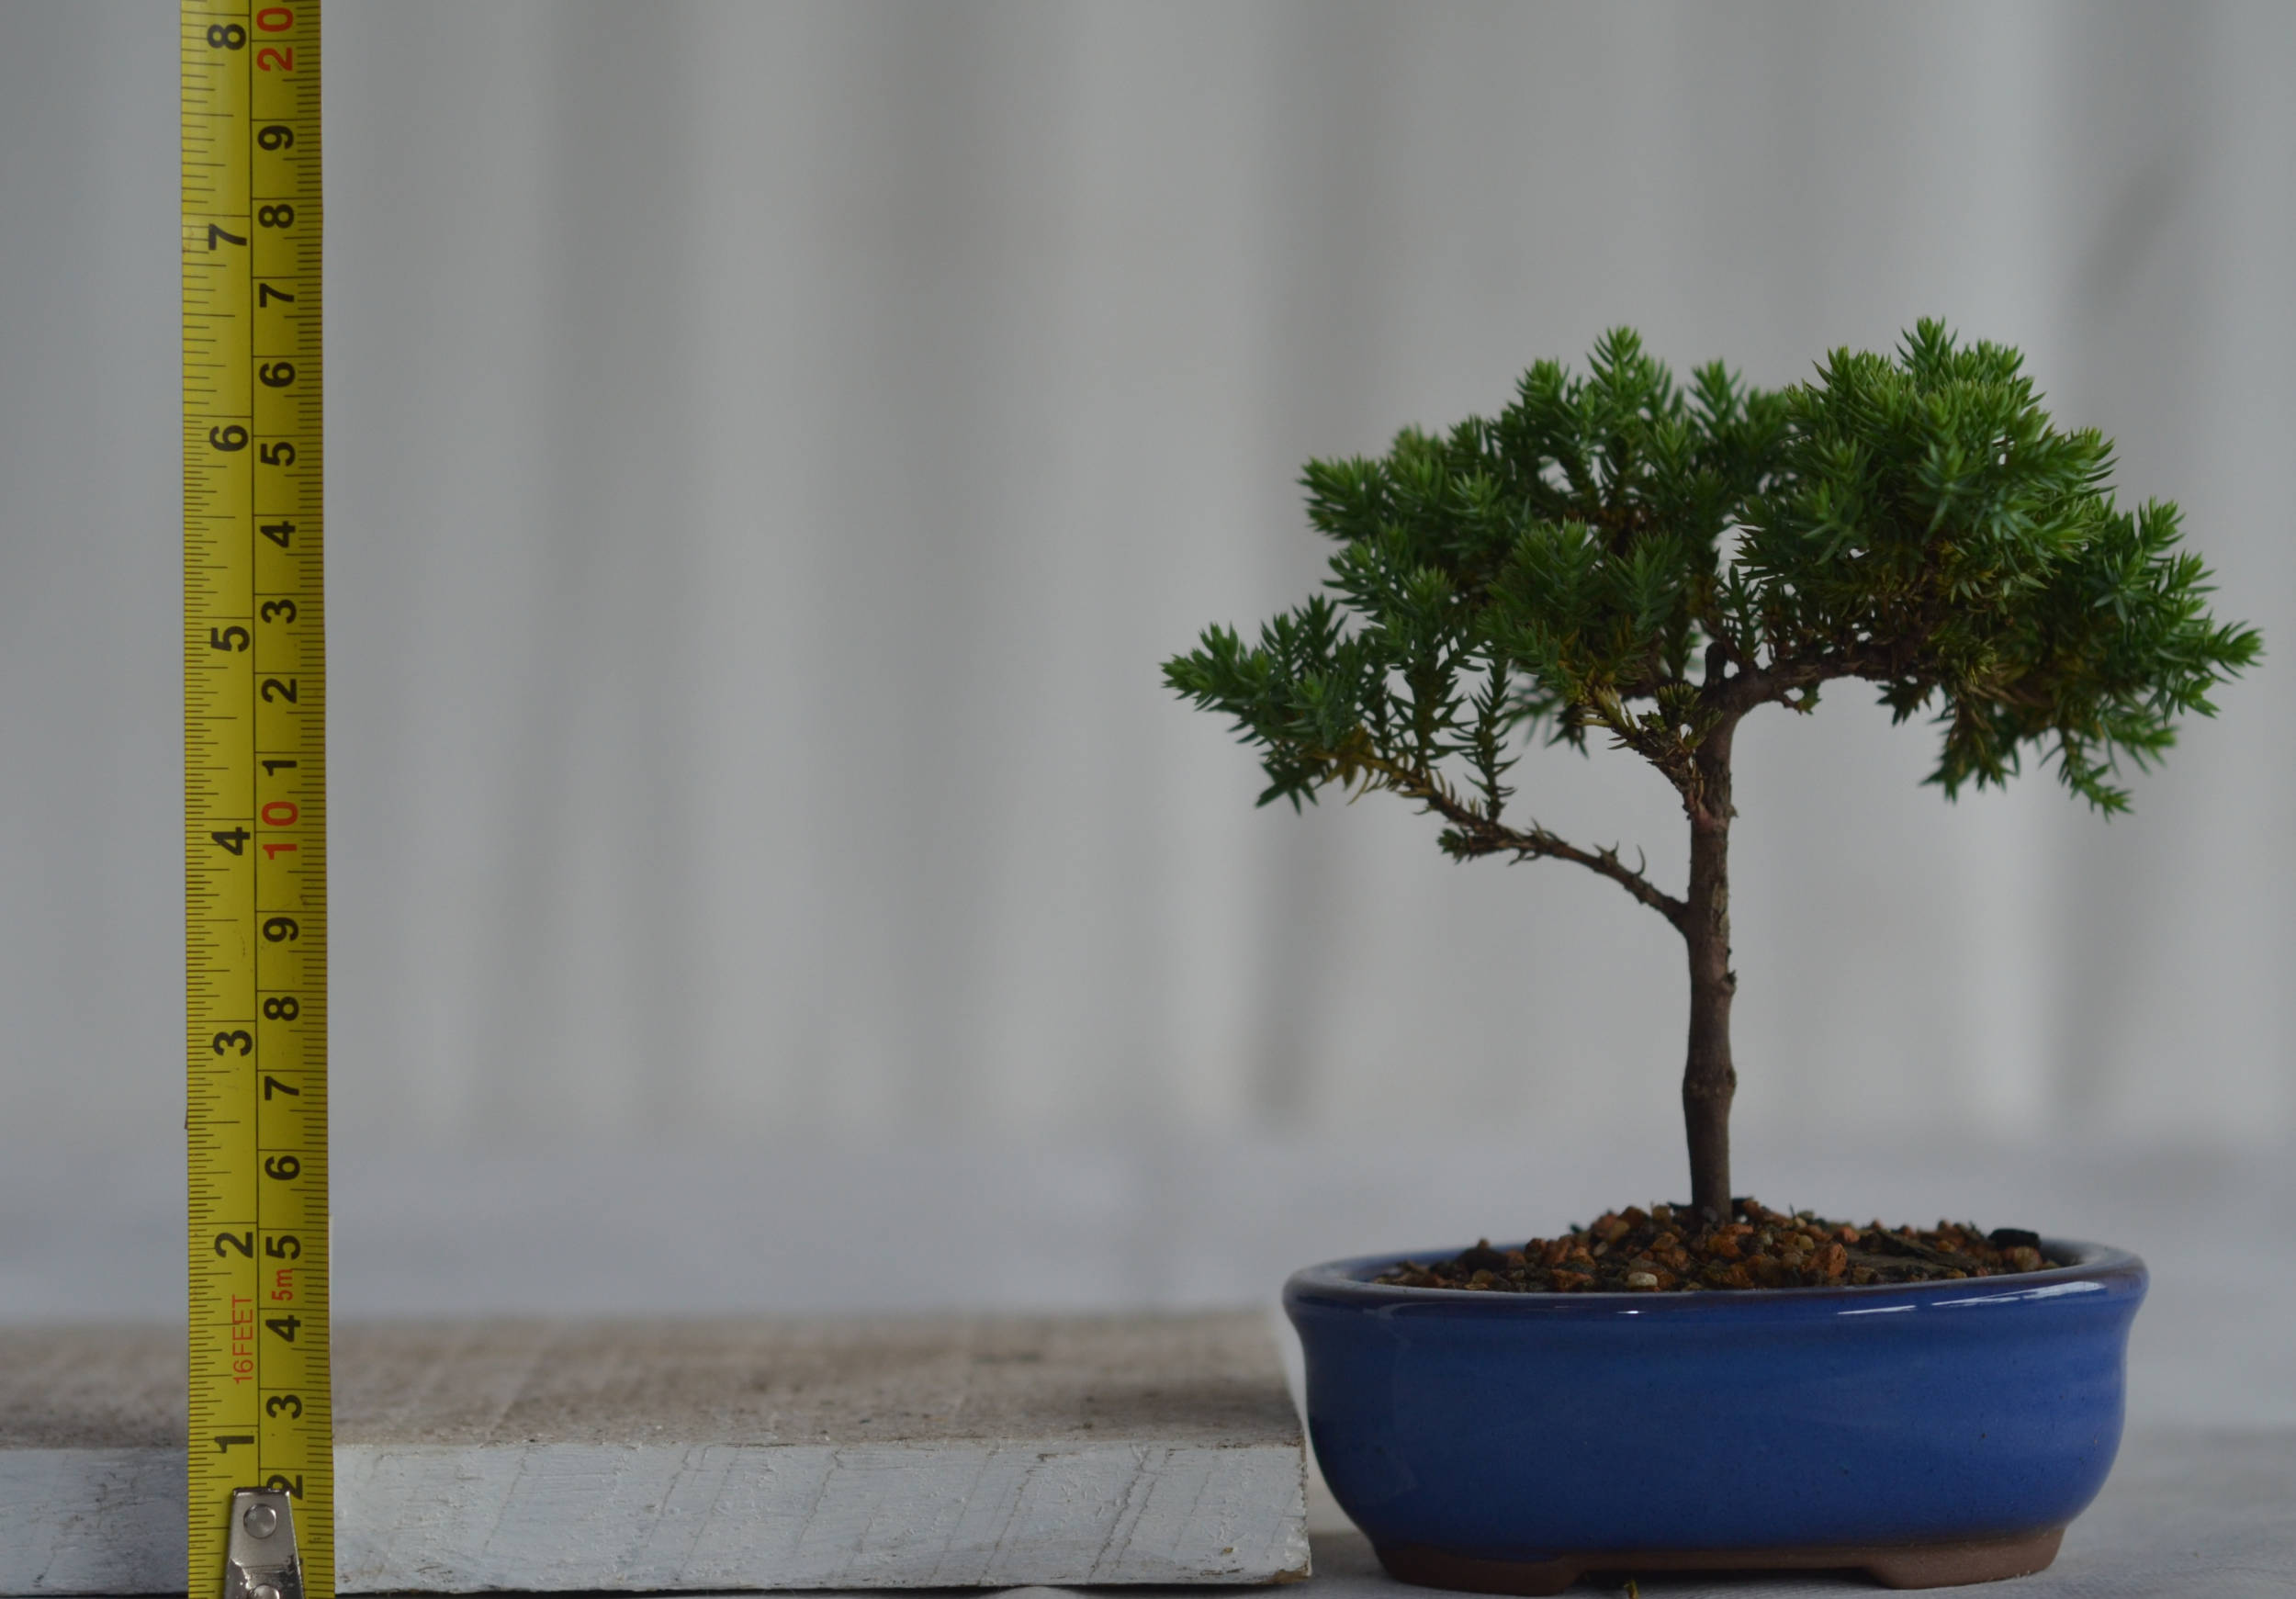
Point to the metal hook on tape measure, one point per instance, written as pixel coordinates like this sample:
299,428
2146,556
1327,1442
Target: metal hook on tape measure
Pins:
261,1562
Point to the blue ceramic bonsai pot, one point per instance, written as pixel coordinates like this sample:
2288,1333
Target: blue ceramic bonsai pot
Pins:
1929,1434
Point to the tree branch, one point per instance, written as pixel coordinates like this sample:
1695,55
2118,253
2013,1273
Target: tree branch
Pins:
1874,659
1481,833
1485,836
1740,693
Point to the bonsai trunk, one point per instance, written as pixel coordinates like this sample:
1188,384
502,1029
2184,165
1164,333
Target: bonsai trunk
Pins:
1710,1080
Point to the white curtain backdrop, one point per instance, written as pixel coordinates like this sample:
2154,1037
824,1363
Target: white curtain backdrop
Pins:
772,448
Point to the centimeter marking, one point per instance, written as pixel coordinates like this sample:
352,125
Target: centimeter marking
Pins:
255,776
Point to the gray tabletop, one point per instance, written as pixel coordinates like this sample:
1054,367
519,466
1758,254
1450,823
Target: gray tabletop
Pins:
2202,1503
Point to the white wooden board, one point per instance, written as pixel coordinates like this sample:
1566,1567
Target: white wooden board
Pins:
705,1455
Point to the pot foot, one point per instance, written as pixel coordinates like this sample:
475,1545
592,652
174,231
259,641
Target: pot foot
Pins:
1936,1565
1976,1560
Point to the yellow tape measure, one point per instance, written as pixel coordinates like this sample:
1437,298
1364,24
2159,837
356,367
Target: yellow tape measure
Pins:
255,779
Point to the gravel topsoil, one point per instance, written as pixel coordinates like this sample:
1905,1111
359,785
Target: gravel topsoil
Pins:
1668,1249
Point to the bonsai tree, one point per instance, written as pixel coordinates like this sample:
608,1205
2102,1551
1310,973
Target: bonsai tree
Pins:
1613,556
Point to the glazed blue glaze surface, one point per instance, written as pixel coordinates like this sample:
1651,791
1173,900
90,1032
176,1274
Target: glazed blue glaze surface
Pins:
1523,1427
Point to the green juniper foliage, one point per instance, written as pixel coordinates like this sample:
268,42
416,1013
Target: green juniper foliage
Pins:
1617,555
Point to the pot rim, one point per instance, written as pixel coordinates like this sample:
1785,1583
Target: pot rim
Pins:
2095,1269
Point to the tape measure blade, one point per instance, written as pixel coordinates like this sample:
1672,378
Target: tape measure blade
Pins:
255,789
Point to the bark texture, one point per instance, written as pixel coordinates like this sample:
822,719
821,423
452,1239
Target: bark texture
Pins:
1709,1079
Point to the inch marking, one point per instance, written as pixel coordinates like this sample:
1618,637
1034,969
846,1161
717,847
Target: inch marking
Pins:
254,708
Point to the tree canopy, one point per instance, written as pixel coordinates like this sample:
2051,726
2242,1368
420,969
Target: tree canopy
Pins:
1620,553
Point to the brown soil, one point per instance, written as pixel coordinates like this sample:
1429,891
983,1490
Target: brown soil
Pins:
1665,1249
